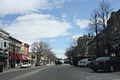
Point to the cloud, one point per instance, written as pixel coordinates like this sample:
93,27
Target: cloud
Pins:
52,40
58,51
21,6
61,56
26,6
82,23
36,26
75,37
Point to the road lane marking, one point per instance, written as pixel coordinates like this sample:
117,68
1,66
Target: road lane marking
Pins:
102,77
97,76
27,74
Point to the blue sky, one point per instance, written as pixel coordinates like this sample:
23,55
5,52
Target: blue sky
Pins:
57,22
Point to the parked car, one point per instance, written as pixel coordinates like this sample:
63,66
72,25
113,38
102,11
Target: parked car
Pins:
105,63
71,62
25,65
76,59
40,63
85,62
58,62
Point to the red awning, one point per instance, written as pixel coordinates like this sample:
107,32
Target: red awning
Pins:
27,58
13,56
17,56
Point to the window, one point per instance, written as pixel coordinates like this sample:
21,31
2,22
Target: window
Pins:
90,59
5,44
103,59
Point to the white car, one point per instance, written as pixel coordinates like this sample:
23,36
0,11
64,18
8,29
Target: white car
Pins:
25,65
85,62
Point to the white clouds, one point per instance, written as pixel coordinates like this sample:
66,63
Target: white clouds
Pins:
75,37
59,51
82,23
61,56
26,6
21,6
36,26
52,40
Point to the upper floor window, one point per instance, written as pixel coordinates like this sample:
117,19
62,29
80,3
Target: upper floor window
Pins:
5,44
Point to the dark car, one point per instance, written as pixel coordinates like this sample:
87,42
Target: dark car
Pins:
40,64
58,62
105,63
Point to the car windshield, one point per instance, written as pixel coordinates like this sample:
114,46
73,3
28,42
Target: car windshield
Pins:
103,59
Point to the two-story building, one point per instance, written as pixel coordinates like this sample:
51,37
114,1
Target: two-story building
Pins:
25,52
14,52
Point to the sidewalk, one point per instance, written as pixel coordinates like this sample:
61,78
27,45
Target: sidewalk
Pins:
12,69
18,68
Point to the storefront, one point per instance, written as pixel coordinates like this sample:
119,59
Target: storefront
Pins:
3,58
15,59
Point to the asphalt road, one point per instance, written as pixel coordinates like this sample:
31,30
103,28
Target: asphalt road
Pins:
63,72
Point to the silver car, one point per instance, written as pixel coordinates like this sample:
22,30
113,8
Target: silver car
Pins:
85,62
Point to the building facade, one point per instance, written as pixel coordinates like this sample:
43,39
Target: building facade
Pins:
14,52
4,47
108,39
113,33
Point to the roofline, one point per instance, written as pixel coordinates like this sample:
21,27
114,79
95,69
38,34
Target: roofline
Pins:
4,31
10,37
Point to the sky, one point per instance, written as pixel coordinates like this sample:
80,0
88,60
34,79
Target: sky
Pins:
57,22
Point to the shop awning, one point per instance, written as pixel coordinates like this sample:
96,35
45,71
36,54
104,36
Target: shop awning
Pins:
3,55
27,58
17,56
20,57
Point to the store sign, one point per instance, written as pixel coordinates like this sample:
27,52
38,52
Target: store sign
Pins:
5,37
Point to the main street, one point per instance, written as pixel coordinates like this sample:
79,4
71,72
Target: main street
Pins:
62,72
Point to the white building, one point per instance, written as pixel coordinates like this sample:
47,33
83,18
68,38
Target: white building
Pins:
4,47
4,41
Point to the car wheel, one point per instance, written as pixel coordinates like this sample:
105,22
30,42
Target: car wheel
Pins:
112,69
95,70
79,66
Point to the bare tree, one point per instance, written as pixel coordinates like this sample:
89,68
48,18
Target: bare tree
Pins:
98,20
70,52
51,55
39,48
95,26
95,22
104,11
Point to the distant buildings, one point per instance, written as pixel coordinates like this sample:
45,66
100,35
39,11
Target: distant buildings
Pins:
82,48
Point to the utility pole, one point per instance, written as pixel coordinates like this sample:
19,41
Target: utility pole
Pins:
14,55
96,29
